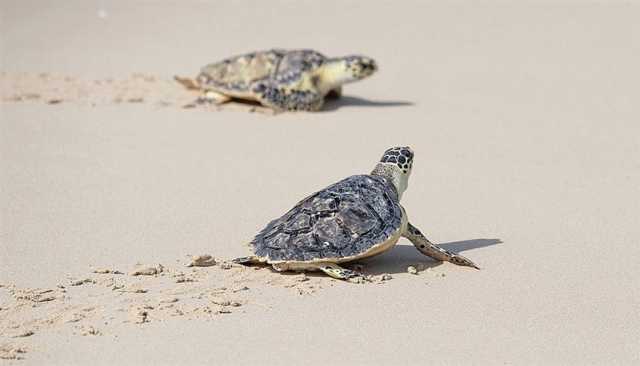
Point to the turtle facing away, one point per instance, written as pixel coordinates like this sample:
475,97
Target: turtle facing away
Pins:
281,79
355,218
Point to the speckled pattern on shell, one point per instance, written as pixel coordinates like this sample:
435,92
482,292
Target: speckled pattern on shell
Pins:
238,73
344,219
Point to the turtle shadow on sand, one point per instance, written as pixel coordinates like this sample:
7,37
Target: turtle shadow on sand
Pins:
397,259
333,103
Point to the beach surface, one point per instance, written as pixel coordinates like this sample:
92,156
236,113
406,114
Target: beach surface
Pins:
523,117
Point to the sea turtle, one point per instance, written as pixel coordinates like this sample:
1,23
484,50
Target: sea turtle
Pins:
281,79
355,218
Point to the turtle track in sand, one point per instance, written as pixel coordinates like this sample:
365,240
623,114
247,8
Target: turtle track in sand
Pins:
138,88
95,303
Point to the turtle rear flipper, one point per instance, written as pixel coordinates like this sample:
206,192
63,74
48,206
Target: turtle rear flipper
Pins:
338,272
329,268
188,83
246,260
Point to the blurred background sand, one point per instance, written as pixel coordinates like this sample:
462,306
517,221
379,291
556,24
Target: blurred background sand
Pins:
523,116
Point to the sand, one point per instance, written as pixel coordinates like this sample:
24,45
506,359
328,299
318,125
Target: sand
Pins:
523,118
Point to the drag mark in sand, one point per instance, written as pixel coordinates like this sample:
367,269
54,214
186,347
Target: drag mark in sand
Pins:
138,88
201,289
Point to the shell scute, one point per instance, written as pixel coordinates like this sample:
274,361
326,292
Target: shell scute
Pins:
357,220
297,223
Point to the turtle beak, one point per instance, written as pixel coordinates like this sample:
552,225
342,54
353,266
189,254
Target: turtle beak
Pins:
369,66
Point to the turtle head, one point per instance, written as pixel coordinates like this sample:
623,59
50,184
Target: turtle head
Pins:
342,70
395,165
359,67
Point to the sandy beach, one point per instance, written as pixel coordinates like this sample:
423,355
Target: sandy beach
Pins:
523,118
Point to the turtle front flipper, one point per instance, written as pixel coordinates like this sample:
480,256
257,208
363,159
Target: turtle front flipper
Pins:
431,250
287,99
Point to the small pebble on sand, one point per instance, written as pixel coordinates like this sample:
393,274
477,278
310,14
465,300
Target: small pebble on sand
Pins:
204,260
106,271
147,270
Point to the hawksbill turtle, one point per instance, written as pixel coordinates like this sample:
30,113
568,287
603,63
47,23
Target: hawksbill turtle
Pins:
280,79
355,218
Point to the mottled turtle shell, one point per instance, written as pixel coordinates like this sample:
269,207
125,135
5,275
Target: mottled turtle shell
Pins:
345,219
235,75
